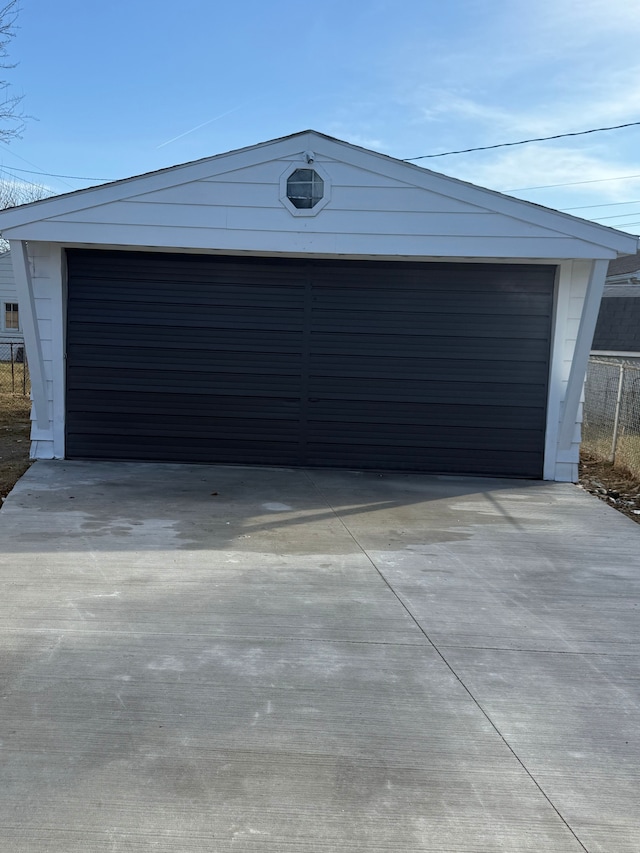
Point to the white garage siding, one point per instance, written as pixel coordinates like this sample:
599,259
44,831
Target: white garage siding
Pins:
379,208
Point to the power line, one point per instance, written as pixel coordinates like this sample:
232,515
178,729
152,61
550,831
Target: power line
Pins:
23,180
573,184
524,141
588,206
24,160
619,216
52,175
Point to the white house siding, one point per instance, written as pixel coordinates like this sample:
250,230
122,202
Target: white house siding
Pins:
8,293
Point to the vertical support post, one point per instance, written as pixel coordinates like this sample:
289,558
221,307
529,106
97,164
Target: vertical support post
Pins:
581,353
33,344
616,419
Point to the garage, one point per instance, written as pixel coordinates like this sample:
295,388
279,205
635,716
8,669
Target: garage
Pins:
408,366
308,302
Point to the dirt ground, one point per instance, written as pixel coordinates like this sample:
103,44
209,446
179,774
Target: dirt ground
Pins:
617,488
599,478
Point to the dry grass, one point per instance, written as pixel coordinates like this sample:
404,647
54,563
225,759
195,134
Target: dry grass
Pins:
620,488
14,439
14,378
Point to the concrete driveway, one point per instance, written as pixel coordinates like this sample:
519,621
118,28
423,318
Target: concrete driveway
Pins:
267,660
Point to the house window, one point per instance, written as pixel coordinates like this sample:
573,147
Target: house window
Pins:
305,188
11,319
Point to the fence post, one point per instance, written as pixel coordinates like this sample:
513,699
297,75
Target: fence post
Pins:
616,420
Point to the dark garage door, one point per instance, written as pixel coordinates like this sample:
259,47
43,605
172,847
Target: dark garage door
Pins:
412,366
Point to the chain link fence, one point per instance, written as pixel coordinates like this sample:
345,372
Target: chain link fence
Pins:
611,426
14,370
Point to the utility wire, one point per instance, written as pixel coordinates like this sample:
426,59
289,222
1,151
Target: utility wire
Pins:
524,141
23,180
24,160
619,216
52,175
572,184
610,204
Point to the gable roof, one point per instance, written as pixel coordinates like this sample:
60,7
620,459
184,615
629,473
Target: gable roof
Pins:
618,327
619,266
94,214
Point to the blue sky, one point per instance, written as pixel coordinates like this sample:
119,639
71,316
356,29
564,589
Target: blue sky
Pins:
130,86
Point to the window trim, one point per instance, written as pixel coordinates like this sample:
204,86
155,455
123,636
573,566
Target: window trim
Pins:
306,211
6,310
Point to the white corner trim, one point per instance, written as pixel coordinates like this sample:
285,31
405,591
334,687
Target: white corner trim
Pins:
562,293
26,300
595,288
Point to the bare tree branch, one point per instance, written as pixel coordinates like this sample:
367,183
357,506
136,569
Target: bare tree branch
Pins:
11,117
15,193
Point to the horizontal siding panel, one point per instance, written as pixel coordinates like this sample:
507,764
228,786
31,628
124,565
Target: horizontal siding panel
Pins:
397,199
341,174
332,221
221,193
306,241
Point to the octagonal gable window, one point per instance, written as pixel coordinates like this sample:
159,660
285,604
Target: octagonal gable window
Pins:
305,188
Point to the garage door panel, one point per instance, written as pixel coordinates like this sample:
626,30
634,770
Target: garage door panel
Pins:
432,392
350,345
170,317
390,367
463,278
230,430
478,306
424,414
94,378
426,367
420,458
459,438
204,361
88,335
447,325
168,449
163,403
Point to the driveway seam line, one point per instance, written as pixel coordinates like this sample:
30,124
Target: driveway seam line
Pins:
475,701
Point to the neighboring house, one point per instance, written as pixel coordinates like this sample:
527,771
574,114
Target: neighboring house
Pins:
10,329
309,302
617,331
